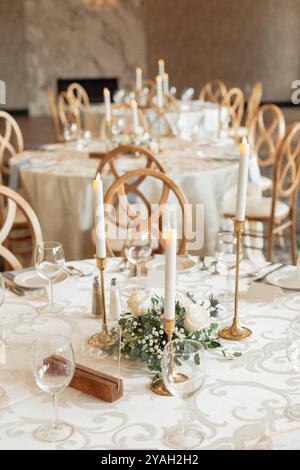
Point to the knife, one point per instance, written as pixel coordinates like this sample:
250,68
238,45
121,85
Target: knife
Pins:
262,277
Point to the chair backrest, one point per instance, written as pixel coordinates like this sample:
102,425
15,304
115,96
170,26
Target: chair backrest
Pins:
116,197
10,200
254,103
286,168
266,131
11,141
68,112
234,102
151,85
53,107
213,91
78,94
134,153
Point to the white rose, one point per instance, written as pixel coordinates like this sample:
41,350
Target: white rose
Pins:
139,303
183,301
196,318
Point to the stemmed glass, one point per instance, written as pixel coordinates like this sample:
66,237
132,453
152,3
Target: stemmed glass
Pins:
183,369
50,263
293,354
226,256
53,367
138,248
2,334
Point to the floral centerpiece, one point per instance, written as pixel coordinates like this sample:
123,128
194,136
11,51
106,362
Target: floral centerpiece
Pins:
143,335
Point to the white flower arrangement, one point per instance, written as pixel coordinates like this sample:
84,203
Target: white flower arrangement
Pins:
143,335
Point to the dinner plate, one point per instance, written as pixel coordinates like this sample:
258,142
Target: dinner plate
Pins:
286,278
31,280
183,265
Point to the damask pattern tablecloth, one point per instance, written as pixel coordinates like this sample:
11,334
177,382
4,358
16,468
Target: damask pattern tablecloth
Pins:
242,399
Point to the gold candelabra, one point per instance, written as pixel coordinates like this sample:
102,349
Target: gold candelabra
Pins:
236,332
158,385
104,339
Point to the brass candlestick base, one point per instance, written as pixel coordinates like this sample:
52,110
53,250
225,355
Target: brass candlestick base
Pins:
236,332
158,385
104,339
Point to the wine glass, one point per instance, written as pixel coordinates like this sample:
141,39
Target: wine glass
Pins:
50,263
2,334
293,354
138,249
183,369
226,256
53,367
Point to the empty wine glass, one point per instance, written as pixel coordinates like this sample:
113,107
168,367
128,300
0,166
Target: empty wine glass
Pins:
2,334
50,263
226,256
138,249
293,354
53,367
183,369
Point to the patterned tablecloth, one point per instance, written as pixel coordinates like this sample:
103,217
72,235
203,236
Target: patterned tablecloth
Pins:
242,399
57,182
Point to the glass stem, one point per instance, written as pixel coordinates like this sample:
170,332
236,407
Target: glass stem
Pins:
51,294
185,416
54,402
228,282
139,272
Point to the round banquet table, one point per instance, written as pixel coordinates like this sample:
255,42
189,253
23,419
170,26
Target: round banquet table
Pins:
57,182
241,401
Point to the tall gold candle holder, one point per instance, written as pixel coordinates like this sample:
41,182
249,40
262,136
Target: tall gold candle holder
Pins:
104,339
158,385
236,332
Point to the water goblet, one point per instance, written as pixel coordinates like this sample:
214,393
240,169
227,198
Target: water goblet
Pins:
293,354
183,369
226,256
53,367
138,248
50,263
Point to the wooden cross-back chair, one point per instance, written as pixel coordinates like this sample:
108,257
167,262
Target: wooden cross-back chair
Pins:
213,91
159,125
234,103
279,215
116,195
266,132
254,103
77,93
133,152
53,107
123,112
151,85
11,142
68,112
10,203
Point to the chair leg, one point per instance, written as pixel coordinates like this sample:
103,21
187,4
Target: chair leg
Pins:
270,243
293,242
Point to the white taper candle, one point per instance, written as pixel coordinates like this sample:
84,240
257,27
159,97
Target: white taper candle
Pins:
139,79
170,274
99,217
160,98
161,67
241,196
135,117
166,83
107,103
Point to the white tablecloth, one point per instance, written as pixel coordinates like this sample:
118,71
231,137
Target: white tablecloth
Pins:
58,185
242,399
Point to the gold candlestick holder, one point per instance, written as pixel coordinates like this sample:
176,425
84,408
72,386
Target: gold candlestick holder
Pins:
158,385
104,339
236,332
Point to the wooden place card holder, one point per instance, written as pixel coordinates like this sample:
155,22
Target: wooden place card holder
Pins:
90,381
